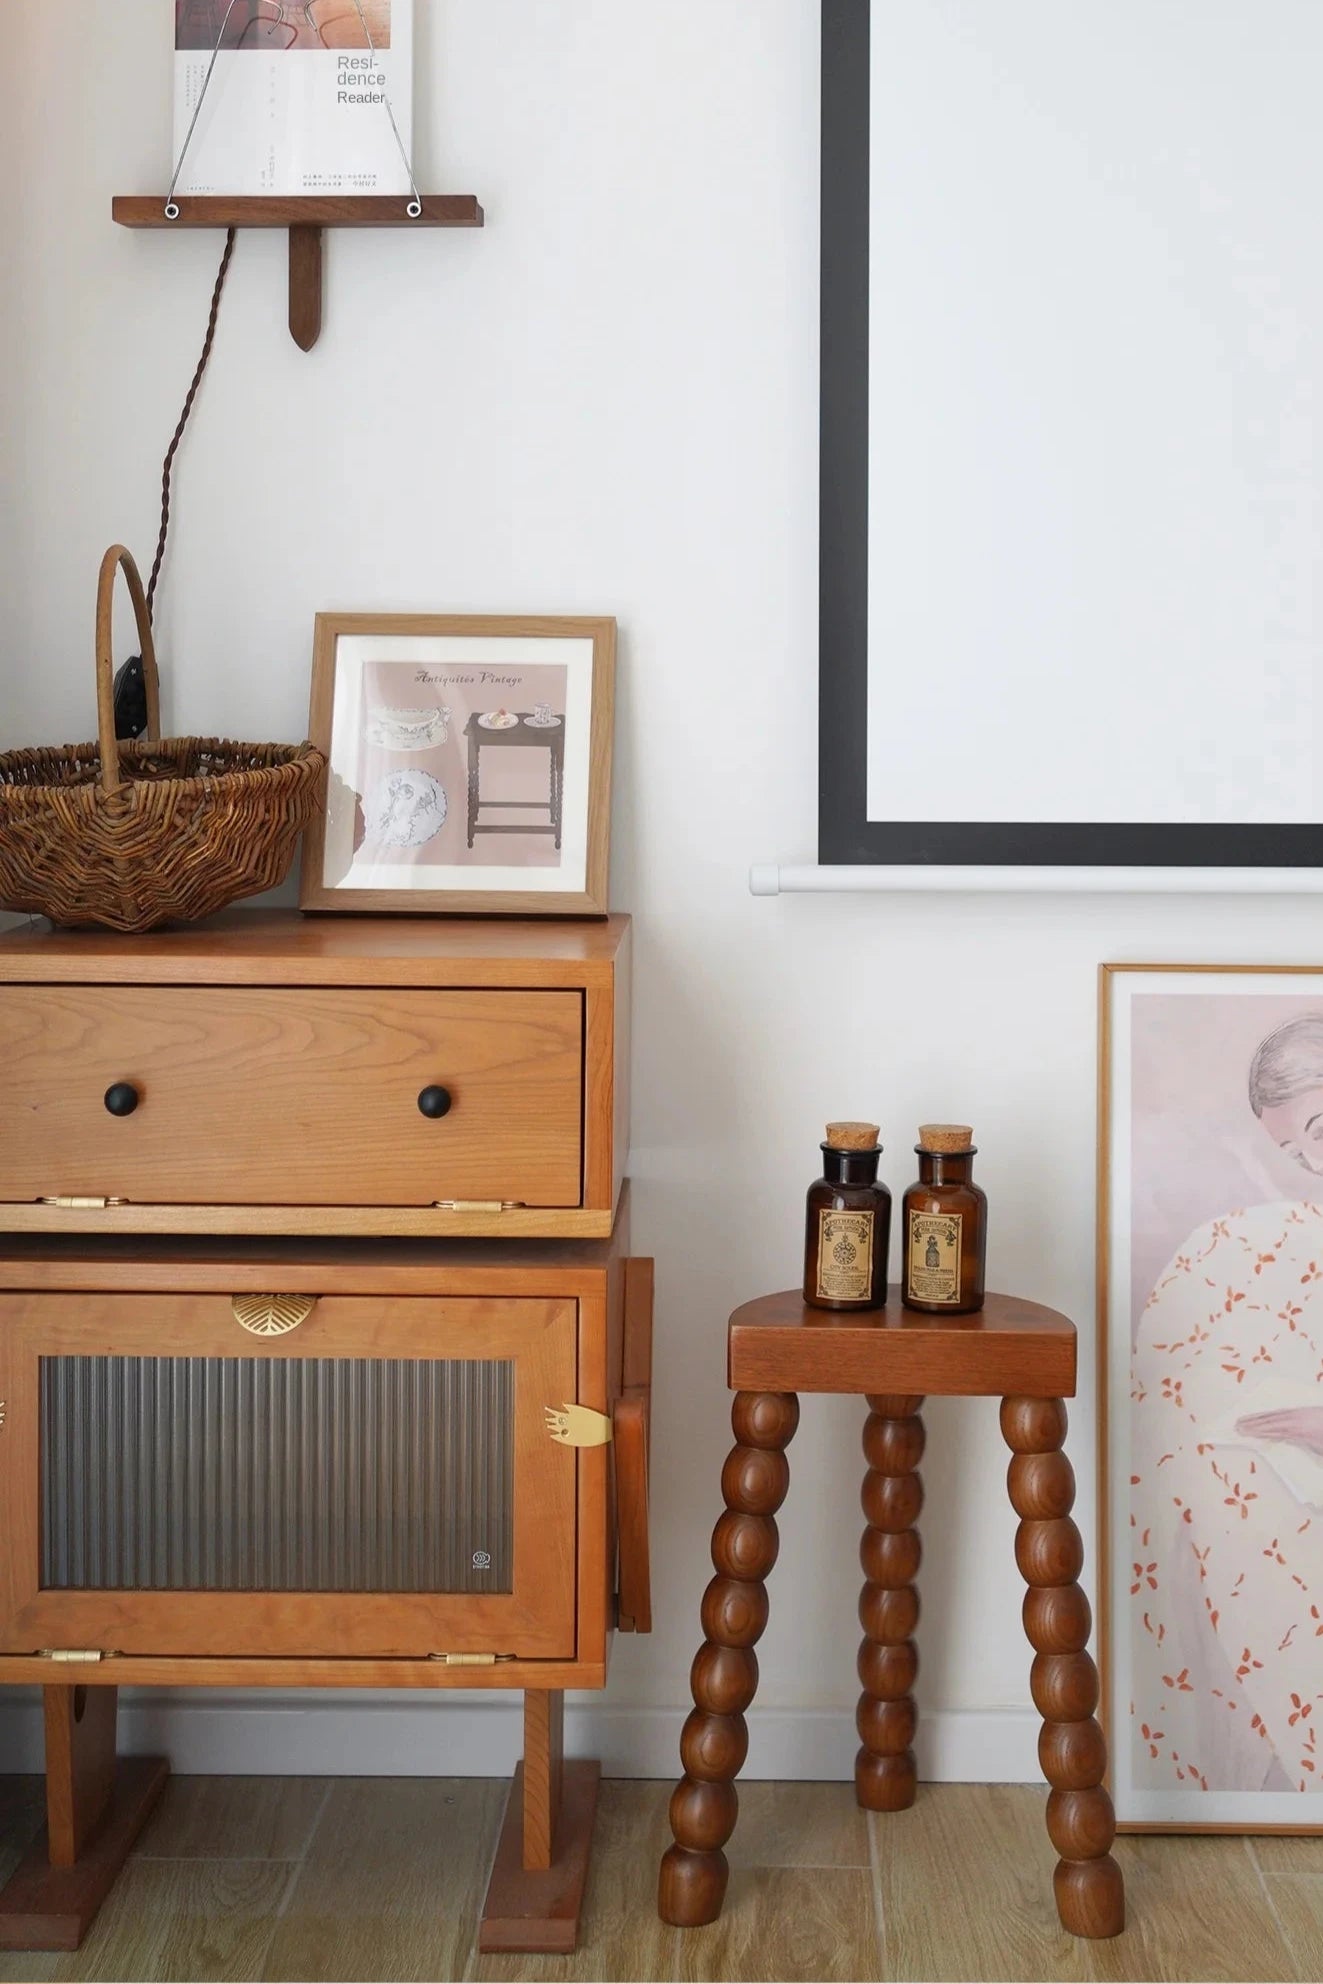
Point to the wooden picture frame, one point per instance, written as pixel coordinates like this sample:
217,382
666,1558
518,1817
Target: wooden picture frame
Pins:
412,710
1210,1388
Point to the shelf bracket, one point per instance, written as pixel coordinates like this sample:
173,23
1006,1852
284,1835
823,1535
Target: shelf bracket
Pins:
305,286
304,217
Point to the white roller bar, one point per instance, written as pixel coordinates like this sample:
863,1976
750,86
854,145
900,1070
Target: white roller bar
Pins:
767,879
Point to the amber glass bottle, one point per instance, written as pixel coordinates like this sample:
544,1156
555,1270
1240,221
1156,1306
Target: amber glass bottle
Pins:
848,1229
945,1225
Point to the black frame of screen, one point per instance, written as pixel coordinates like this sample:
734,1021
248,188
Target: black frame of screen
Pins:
846,835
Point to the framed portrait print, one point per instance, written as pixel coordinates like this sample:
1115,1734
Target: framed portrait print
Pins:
470,764
1211,1354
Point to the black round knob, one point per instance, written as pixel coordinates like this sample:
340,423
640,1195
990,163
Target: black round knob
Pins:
434,1101
122,1099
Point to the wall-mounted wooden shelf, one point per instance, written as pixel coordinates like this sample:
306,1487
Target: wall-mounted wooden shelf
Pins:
305,217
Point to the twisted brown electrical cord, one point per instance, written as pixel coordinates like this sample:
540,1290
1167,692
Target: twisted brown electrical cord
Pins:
167,468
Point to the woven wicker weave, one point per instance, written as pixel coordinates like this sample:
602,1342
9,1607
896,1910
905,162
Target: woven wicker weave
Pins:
166,830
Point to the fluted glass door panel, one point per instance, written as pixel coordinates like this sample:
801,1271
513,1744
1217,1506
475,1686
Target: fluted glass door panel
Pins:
297,1474
381,1485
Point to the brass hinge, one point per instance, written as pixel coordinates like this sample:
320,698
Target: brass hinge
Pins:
470,1659
78,1653
578,1425
82,1204
476,1205
2,1412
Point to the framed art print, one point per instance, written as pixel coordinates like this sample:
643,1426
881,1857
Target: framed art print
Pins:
1070,569
470,764
1211,1353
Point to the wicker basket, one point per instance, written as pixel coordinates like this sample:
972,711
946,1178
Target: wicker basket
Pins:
166,830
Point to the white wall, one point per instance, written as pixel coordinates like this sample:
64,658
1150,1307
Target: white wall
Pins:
604,402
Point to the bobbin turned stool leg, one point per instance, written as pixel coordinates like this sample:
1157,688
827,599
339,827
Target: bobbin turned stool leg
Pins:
884,1770
1090,1890
724,1676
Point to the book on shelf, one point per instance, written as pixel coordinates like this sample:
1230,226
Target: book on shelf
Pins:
300,97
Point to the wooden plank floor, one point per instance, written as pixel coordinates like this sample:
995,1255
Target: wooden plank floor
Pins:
348,1878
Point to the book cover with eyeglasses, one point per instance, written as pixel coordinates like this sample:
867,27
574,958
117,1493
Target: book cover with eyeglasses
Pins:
293,96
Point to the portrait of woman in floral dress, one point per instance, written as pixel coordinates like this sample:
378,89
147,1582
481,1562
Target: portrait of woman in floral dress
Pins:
1224,1553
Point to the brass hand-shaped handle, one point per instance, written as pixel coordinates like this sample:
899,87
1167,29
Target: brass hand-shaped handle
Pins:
573,1425
271,1315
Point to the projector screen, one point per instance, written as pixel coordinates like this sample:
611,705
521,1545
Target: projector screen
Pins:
1072,386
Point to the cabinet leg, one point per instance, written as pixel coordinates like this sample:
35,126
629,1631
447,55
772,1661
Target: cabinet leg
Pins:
544,1773
535,1894
884,1771
724,1676
1089,1886
95,1807
80,1766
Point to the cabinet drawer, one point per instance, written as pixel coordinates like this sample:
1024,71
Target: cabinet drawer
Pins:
378,1481
286,1097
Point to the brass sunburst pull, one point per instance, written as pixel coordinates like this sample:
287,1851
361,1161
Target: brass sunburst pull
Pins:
271,1315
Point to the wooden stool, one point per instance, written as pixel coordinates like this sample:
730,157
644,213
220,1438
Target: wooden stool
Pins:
1016,1350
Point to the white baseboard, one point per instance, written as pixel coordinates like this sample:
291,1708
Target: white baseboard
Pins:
405,1735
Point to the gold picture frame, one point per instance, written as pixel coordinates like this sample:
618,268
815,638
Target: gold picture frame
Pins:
428,809
1197,1102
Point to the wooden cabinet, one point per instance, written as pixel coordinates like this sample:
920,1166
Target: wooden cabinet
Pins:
243,1443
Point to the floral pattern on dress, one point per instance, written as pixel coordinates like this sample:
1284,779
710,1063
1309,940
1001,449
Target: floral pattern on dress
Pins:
1225,1543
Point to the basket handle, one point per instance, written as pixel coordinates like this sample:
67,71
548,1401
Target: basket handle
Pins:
105,661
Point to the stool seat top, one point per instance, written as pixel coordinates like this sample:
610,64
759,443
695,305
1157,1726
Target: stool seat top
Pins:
1008,1348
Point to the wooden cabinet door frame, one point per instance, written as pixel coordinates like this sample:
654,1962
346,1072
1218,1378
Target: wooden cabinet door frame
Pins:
535,1620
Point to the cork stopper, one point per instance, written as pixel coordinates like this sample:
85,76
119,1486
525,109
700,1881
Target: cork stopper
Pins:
948,1138
852,1136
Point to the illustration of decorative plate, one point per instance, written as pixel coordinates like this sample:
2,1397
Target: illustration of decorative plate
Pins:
542,722
498,720
405,809
407,729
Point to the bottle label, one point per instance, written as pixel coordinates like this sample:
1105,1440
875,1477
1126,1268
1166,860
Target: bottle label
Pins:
933,1256
845,1256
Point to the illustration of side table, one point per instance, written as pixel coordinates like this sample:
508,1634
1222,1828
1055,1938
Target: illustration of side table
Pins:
549,737
1025,1354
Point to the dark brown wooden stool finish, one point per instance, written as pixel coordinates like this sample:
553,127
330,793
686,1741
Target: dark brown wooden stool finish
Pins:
1017,1351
